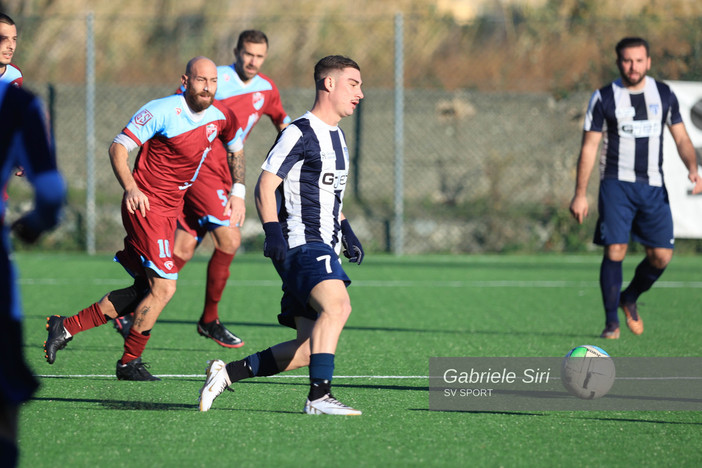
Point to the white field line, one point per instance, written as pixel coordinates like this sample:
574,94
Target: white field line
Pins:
370,283
372,377
202,376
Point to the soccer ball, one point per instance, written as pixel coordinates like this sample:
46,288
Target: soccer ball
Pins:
587,372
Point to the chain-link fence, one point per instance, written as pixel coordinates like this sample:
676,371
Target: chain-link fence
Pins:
483,170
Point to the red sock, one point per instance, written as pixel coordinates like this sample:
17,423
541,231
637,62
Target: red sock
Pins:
134,345
179,262
217,275
86,319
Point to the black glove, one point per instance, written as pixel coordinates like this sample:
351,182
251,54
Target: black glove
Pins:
28,228
274,246
353,250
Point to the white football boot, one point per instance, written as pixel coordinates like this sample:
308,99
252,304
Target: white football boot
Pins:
217,381
329,405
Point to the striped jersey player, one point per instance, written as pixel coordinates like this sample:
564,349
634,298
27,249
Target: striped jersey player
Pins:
299,198
629,116
632,124
313,159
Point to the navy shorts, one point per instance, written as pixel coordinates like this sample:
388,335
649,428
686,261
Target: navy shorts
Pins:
304,268
633,210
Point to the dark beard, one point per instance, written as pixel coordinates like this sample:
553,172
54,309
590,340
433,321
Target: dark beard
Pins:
628,83
196,105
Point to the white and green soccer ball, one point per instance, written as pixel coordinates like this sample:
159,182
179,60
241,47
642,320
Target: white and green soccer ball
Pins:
587,372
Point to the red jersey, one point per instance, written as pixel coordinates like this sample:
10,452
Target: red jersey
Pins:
175,144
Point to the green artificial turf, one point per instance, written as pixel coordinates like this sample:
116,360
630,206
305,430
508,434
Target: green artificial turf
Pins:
405,310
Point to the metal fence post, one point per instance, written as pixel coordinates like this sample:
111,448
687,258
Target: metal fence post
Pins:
398,232
90,134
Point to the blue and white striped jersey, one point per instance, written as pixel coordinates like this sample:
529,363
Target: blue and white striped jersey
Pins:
313,160
633,124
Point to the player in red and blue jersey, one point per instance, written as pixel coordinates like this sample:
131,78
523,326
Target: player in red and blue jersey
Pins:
249,95
25,140
630,115
8,44
9,73
176,135
306,171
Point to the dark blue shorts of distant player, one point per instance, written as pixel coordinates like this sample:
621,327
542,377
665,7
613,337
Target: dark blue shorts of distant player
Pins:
633,210
304,268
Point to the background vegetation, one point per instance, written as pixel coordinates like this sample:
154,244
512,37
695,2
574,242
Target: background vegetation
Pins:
492,114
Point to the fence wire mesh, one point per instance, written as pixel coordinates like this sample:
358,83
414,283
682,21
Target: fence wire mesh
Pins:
484,170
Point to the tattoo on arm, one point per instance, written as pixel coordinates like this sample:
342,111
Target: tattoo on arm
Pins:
237,167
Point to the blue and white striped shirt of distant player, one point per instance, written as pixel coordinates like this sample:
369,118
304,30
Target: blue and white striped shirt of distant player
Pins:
632,122
312,159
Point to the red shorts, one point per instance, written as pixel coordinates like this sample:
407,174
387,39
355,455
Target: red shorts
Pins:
148,244
204,203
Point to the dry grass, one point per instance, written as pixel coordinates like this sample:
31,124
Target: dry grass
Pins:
557,49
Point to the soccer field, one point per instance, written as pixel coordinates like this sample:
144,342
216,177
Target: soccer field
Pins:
405,310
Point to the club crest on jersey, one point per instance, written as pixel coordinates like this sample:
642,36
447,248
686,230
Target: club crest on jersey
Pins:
178,110
211,132
257,100
168,265
142,118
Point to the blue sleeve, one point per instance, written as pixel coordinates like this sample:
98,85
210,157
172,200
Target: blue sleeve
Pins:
38,159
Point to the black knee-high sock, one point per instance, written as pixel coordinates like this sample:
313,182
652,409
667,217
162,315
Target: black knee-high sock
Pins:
610,285
644,277
259,364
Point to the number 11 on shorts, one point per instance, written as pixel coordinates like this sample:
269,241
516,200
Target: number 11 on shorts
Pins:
164,248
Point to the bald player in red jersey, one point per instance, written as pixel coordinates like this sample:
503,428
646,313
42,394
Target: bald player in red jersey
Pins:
176,135
249,95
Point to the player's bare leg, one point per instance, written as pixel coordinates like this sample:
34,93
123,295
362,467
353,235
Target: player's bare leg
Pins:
331,299
184,245
130,367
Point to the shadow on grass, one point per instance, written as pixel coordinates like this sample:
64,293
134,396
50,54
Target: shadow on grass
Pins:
557,413
648,421
123,404
306,384
135,405
131,405
394,329
509,413
454,331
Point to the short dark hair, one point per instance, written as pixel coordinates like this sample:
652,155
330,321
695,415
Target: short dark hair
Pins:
332,62
630,42
251,35
6,19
